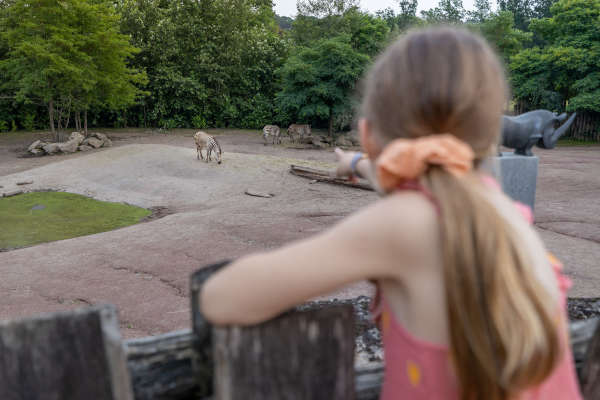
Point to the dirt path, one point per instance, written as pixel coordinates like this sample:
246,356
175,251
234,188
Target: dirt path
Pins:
144,269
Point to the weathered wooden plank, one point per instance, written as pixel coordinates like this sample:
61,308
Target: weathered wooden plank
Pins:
325,176
161,366
590,373
73,355
203,363
299,355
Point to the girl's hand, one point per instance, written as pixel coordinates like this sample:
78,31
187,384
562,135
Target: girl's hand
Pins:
344,159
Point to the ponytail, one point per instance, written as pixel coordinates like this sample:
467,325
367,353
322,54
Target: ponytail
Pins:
503,336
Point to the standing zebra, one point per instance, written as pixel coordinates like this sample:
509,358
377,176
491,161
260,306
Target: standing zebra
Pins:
271,130
203,140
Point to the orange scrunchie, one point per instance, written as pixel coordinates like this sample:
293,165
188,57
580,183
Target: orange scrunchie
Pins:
406,159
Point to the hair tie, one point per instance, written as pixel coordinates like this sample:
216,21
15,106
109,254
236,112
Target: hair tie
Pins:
404,160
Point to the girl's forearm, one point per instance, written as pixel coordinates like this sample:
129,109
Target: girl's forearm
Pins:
366,170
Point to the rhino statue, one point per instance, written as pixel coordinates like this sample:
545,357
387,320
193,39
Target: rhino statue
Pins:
537,127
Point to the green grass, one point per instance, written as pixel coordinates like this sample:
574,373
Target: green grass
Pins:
65,216
576,142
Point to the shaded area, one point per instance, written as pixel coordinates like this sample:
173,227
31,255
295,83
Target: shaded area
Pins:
41,217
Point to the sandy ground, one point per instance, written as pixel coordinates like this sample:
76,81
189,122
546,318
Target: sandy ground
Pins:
144,269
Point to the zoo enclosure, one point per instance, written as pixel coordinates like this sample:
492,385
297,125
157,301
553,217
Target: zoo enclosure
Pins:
78,355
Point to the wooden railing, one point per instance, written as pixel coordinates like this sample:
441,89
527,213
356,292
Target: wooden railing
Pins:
78,355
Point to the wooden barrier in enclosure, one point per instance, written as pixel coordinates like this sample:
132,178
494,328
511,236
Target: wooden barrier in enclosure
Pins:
300,355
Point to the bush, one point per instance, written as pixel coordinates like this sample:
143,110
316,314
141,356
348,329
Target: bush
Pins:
3,126
199,122
29,122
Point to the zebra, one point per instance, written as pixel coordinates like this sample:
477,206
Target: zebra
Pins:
272,130
203,140
298,131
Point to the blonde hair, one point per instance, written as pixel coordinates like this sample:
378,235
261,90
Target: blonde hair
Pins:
503,338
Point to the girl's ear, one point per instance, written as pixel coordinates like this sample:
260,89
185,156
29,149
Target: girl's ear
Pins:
368,140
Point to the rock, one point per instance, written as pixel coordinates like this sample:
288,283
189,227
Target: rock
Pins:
107,143
344,141
38,207
68,147
84,147
21,183
95,143
51,148
76,136
317,143
35,145
12,193
36,152
100,136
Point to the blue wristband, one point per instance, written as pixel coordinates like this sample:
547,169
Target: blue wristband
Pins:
357,157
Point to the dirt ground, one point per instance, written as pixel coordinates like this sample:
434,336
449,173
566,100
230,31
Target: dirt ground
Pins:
144,269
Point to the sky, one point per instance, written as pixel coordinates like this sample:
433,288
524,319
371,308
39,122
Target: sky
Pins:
288,7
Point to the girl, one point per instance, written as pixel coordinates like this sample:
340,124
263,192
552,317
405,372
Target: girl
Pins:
469,304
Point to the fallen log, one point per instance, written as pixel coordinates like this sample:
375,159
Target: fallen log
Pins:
325,176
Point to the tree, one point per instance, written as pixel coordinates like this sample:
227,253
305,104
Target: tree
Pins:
499,29
447,12
482,11
563,74
318,82
325,8
521,9
68,55
209,63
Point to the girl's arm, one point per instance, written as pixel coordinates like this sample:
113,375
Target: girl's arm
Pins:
363,168
367,245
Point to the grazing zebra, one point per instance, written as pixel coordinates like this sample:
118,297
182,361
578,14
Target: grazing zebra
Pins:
203,140
272,130
298,131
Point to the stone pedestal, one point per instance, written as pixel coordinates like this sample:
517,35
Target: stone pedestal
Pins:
518,176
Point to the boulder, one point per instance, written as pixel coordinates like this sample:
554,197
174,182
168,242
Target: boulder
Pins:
92,141
51,148
76,136
344,141
317,143
107,143
69,147
35,145
36,152
84,147
100,136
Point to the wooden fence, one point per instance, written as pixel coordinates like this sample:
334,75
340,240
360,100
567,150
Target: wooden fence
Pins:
78,355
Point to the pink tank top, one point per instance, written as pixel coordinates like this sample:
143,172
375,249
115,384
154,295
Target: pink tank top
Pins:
418,370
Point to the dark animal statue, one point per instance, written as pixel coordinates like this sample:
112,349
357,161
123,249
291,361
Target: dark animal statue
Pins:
537,127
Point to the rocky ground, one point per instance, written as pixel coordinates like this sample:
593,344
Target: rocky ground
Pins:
201,215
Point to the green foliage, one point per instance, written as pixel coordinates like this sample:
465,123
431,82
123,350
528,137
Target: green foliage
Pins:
447,12
565,73
65,216
499,29
210,59
521,9
3,126
68,54
29,122
318,82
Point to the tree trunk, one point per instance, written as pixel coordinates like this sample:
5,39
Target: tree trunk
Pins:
330,123
51,117
85,122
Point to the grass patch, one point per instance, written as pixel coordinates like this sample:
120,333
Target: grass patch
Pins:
575,142
40,217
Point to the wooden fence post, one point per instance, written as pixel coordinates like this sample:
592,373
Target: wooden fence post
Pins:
299,355
203,363
590,373
72,355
